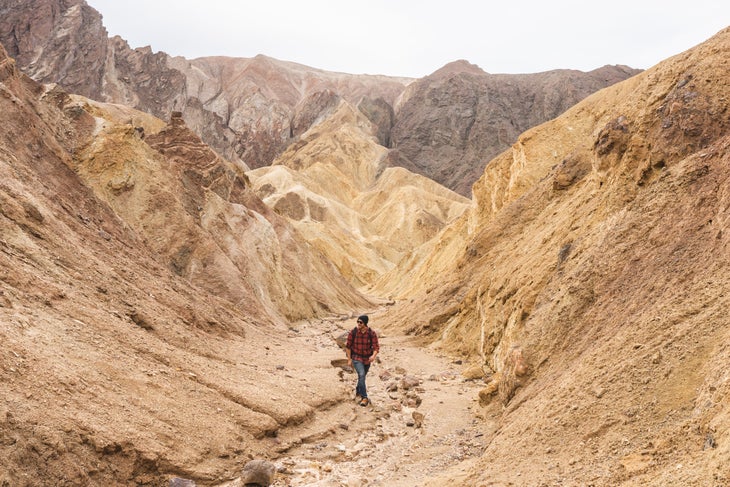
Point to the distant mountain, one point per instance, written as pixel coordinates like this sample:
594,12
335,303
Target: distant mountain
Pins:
450,124
446,126
243,108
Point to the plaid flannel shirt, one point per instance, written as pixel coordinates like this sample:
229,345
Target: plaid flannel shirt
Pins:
359,345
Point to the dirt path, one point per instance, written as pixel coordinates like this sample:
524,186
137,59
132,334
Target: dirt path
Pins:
422,422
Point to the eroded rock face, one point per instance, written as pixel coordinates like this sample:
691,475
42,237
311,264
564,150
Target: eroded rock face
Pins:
450,124
38,33
197,210
335,188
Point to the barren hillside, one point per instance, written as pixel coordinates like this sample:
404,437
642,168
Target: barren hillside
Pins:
589,281
165,314
142,295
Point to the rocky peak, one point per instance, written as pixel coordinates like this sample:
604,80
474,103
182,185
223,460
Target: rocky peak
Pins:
43,36
197,164
460,66
313,110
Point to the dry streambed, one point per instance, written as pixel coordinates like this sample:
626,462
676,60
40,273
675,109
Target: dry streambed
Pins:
423,423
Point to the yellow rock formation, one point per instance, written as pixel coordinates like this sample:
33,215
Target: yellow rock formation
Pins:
334,188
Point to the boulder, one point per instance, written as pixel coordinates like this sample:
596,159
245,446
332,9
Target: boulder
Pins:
258,473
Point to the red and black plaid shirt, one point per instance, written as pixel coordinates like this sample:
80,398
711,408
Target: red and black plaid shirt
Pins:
360,344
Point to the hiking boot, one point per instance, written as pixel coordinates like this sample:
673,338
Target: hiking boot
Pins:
365,401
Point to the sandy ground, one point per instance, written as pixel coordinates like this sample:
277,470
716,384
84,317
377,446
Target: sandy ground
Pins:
423,421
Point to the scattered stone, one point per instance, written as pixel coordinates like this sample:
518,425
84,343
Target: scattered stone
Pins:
341,339
381,414
280,367
392,387
487,394
178,482
417,419
412,401
385,375
341,363
400,370
474,372
142,320
258,473
409,382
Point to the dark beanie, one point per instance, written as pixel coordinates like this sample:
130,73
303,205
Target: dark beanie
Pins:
363,318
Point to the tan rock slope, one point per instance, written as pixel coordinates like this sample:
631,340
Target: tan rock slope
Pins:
197,210
336,189
142,293
590,281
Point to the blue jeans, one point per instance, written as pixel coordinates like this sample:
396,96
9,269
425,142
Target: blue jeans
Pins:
362,371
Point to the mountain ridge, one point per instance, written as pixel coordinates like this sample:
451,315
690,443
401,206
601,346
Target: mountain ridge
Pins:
251,119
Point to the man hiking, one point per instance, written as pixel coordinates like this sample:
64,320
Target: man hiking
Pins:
362,347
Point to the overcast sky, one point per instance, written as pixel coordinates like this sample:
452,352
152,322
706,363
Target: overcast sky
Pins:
416,37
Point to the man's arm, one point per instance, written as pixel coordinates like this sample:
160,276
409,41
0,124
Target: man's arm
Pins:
376,347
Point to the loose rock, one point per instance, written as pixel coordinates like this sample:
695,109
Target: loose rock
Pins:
258,473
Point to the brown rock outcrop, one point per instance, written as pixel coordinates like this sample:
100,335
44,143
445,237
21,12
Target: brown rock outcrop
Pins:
598,246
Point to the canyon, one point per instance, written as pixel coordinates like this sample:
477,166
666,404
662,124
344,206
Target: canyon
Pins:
181,252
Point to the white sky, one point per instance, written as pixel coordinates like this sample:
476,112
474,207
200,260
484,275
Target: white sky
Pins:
416,37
